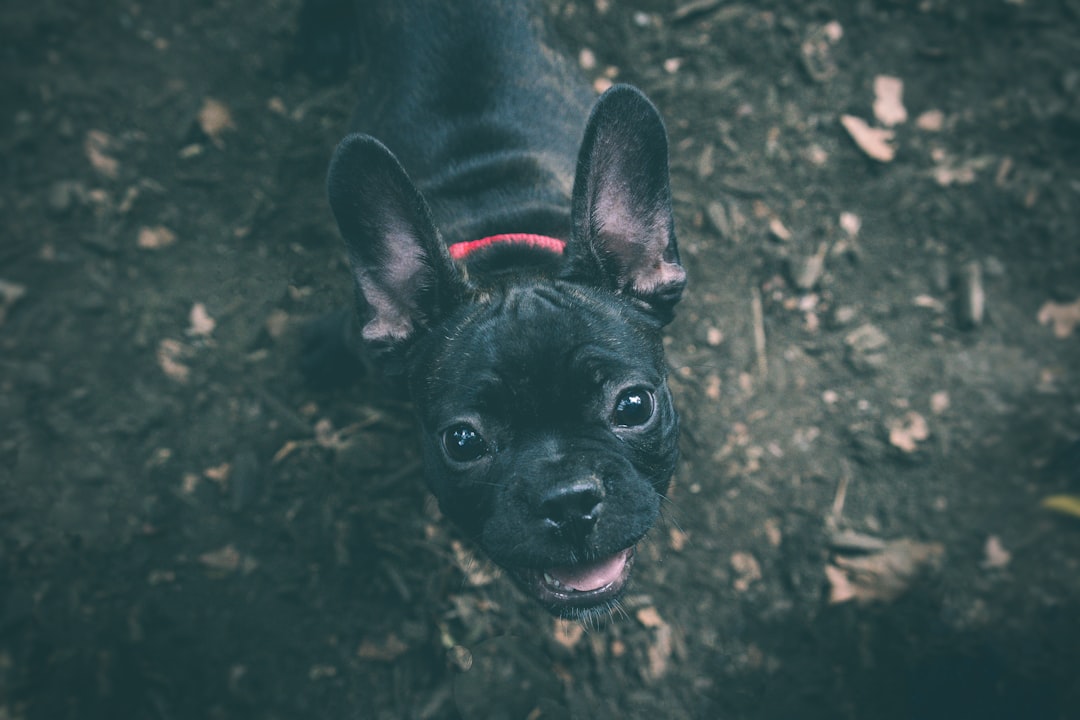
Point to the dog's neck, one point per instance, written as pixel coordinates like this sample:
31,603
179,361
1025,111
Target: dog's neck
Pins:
462,250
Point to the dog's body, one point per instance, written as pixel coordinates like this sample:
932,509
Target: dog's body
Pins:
528,324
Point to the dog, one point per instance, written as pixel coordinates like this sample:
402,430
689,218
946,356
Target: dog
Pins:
512,247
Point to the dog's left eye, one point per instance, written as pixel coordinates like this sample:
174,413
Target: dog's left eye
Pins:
463,444
633,407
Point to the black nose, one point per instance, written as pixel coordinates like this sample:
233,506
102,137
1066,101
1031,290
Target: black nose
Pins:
573,507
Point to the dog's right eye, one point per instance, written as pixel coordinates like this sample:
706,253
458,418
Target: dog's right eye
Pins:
463,444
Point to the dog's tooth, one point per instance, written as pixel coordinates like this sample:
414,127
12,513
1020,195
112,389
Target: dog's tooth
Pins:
552,581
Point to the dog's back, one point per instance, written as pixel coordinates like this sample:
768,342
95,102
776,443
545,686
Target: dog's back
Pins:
482,112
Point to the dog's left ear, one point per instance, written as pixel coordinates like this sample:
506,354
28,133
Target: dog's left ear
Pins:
623,228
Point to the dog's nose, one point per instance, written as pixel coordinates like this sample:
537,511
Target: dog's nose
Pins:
573,507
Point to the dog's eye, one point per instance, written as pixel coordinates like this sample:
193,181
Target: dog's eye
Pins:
634,407
463,444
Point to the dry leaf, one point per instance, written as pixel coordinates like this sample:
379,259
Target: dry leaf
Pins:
218,473
476,574
10,293
996,556
568,633
1064,318
214,119
747,570
388,650
851,223
939,402
1065,504
649,617
908,431
889,100
169,356
883,575
659,652
778,229
277,322
875,142
773,532
155,238
931,121
953,171
97,146
677,539
228,559
202,325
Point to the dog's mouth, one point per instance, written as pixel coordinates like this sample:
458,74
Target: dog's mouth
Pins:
574,590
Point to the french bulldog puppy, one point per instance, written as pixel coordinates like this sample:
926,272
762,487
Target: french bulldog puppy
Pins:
513,252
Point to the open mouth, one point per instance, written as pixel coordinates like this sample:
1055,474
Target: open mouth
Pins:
575,589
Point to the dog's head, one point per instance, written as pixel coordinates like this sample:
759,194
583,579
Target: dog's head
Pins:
548,429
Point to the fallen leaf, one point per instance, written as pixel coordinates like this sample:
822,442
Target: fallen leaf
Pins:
779,230
155,238
218,473
97,146
953,171
883,575
277,322
773,532
889,100
202,325
476,574
1064,318
908,431
214,119
875,142
568,633
169,356
388,650
995,556
1065,504
659,652
649,617
851,223
931,121
10,293
939,402
227,559
747,570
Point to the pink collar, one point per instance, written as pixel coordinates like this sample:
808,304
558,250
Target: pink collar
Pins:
461,250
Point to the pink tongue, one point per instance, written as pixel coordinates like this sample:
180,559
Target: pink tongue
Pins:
592,576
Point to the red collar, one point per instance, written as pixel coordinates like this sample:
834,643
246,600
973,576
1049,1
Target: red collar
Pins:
461,250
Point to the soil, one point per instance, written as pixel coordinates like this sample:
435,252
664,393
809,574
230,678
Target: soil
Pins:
874,415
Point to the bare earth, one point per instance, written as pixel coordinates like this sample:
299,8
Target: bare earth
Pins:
874,413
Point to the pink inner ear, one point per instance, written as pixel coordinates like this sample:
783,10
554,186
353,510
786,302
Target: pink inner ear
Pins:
391,290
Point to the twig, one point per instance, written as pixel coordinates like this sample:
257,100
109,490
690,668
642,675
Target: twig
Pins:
841,495
759,334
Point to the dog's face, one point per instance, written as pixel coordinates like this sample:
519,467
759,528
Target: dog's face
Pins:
547,425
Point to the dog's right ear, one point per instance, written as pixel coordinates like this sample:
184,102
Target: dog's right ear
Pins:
400,266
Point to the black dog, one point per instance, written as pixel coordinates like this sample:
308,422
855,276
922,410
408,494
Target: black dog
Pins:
520,284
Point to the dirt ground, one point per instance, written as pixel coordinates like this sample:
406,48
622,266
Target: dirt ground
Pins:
877,401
